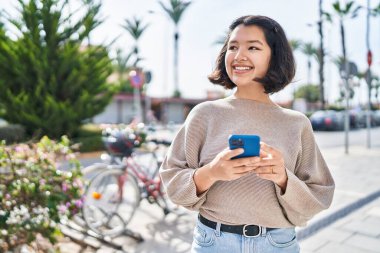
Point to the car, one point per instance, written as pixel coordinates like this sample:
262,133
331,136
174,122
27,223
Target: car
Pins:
362,118
327,120
376,115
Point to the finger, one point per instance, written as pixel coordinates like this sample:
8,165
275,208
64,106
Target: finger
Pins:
268,162
265,170
243,169
238,175
228,154
246,161
265,155
268,149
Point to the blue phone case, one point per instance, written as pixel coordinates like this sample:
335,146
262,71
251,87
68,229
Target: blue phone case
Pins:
250,144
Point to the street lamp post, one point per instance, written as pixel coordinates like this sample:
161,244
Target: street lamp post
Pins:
347,111
347,71
137,80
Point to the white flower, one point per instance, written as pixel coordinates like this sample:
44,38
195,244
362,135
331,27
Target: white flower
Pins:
4,232
18,215
53,224
2,213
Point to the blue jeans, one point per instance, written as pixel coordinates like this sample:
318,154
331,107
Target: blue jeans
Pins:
208,240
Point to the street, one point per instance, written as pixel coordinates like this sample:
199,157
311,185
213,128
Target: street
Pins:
357,137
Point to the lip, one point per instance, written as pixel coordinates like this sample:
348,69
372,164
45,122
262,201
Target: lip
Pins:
241,69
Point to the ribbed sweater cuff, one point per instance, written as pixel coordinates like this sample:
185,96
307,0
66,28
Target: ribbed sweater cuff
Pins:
293,188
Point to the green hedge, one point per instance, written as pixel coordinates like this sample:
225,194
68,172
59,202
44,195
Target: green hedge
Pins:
89,138
12,133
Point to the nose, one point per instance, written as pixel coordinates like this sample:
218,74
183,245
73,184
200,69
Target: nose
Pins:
240,56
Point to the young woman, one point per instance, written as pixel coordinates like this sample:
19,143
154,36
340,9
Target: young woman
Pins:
248,204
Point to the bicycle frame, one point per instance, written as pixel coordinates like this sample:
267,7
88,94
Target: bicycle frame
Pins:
149,184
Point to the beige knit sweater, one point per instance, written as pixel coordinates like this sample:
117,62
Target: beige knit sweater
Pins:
249,199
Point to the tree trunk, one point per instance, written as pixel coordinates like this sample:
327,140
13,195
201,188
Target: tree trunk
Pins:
321,55
175,69
308,70
369,79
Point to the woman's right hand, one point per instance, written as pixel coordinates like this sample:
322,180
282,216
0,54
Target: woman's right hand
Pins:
224,168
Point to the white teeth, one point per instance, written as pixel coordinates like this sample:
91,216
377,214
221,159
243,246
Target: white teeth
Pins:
242,68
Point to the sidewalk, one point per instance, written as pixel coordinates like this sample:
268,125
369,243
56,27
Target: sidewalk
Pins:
358,232
357,175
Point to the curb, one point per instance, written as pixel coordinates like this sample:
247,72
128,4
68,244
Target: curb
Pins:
333,217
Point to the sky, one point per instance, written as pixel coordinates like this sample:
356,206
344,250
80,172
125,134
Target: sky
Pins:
205,21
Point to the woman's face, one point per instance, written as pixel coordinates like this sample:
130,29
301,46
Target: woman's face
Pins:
248,55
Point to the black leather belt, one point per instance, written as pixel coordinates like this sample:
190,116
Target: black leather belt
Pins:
246,230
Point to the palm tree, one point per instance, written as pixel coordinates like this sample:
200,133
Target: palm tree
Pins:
310,51
348,10
175,11
135,28
295,44
321,57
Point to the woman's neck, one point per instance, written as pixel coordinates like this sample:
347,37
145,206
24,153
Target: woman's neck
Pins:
253,93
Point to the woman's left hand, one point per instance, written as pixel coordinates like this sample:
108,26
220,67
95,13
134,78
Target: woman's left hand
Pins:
271,166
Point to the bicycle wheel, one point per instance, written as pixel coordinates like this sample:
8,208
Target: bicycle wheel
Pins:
165,203
111,200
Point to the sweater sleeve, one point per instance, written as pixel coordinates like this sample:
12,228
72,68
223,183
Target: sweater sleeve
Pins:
310,187
181,161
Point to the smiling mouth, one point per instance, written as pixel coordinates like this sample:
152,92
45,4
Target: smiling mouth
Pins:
241,69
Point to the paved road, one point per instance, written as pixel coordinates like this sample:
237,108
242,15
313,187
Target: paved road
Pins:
356,138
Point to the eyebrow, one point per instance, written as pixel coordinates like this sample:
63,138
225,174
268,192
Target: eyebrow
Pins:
249,41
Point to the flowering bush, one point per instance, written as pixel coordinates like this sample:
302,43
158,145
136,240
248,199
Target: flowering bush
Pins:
34,194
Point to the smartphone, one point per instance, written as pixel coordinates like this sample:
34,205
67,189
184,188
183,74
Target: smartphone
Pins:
250,144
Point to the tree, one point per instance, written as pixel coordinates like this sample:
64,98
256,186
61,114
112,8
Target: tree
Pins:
175,11
321,56
310,51
349,10
309,92
135,28
50,80
376,87
122,67
295,44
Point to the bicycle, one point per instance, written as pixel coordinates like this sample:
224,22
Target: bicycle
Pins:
114,194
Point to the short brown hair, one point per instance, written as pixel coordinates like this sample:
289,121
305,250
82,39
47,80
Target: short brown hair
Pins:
281,68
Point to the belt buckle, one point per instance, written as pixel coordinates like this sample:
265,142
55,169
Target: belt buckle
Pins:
246,230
